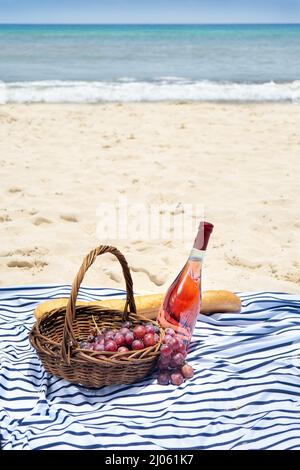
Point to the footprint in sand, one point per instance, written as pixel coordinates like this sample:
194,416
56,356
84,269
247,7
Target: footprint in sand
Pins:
6,117
292,277
20,263
5,218
69,217
15,189
26,252
244,263
33,212
114,275
31,251
41,221
158,279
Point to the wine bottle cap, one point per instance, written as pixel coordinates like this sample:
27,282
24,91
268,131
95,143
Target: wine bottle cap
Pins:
202,238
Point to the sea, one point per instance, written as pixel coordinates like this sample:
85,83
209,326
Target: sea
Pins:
133,63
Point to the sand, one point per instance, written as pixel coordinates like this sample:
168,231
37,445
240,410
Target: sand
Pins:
241,163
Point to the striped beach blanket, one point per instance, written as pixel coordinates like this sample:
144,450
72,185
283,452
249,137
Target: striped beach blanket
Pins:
244,394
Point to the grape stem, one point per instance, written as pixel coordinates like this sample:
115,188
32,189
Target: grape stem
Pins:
97,328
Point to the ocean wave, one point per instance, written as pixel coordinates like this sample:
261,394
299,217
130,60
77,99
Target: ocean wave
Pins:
165,89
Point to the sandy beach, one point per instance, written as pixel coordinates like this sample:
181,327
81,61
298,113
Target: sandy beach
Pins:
240,161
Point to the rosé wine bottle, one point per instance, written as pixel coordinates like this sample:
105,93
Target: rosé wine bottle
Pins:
182,302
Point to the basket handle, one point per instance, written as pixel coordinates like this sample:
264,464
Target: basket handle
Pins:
69,340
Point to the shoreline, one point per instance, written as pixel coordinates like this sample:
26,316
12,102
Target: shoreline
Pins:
163,102
160,90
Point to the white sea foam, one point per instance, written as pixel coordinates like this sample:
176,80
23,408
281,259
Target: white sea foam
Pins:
125,90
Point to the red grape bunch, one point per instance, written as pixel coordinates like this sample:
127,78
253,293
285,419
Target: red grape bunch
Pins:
171,364
127,338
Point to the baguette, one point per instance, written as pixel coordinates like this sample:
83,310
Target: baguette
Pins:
147,305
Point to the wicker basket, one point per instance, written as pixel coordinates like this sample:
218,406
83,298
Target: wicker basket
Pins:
56,337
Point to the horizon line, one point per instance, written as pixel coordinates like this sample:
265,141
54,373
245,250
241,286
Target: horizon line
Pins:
150,24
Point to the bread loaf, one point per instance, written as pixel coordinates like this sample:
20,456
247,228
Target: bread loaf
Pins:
147,305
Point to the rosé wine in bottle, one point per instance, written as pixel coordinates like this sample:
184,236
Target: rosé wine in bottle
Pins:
182,302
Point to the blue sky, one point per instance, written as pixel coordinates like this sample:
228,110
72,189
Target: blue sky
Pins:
149,11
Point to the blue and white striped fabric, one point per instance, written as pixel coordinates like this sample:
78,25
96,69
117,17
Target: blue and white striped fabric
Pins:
244,395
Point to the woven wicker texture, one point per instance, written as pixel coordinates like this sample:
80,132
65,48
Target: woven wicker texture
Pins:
57,336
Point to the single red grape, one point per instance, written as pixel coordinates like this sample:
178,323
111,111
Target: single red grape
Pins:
164,359
178,359
163,378
109,335
149,340
127,324
85,345
162,365
173,343
169,331
129,338
167,338
110,345
184,353
150,328
99,338
177,378
165,350
98,346
187,371
181,347
139,331
123,349
119,339
137,344
124,330
156,337
173,364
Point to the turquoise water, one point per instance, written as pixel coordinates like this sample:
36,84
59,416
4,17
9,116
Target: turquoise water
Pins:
95,63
